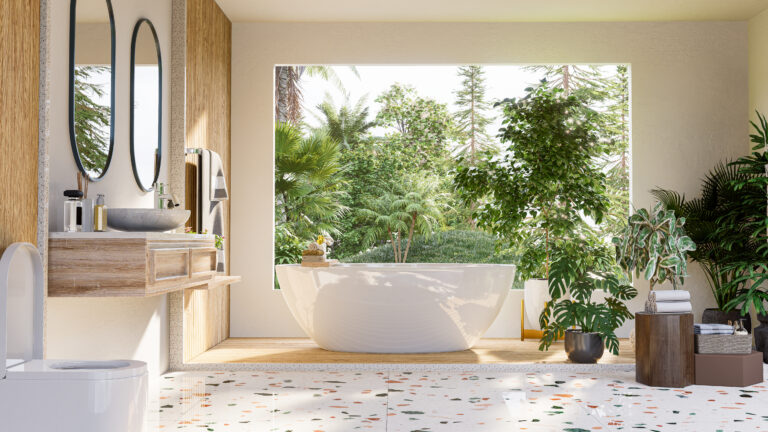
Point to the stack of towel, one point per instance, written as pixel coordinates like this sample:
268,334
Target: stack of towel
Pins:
677,301
710,329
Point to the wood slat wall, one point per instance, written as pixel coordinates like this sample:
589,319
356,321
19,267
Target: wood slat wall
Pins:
19,90
208,84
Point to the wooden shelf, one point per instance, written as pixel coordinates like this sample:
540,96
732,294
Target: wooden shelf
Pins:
131,264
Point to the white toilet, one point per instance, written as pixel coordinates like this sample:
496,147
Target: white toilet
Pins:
39,395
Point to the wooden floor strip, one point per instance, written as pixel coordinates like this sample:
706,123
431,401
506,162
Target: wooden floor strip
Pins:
304,350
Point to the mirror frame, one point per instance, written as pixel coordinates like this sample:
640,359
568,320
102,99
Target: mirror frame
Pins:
72,136
159,159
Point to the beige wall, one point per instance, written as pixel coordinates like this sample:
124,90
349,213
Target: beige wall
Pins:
689,105
105,328
758,64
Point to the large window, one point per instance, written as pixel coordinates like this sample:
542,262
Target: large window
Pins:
370,155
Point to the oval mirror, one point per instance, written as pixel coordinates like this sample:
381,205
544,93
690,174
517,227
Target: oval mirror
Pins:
146,104
91,85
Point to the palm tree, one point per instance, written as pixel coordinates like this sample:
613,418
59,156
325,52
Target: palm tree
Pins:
702,219
308,181
348,123
288,95
416,207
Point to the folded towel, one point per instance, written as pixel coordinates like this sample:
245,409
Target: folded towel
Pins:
671,307
669,295
712,326
713,332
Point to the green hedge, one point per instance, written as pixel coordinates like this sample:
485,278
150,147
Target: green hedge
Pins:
456,246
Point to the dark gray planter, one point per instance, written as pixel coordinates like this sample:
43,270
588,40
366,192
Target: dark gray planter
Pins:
761,336
583,347
763,318
716,316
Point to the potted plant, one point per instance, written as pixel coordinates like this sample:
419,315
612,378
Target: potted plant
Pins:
719,194
749,239
655,245
537,192
578,271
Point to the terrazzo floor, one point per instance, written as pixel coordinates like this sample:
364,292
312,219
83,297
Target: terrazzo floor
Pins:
298,401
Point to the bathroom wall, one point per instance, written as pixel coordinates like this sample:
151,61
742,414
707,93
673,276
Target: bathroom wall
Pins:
105,328
19,89
758,64
689,110
758,71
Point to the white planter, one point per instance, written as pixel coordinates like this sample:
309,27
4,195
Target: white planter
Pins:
536,295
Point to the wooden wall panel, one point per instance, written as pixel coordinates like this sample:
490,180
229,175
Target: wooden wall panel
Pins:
19,90
208,86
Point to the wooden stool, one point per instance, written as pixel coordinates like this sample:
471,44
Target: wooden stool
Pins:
664,349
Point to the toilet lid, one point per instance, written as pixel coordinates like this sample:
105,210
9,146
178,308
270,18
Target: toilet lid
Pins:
21,305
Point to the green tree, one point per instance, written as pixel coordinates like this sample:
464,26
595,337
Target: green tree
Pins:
414,207
347,124
544,182
308,182
422,126
616,162
570,77
288,96
472,117
91,119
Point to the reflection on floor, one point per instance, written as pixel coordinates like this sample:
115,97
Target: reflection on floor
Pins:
303,350
447,401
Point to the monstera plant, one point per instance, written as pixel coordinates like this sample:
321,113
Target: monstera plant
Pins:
655,245
578,272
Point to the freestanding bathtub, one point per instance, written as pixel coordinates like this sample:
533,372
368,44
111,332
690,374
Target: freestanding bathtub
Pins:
395,308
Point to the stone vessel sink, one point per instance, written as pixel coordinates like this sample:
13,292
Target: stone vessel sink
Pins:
151,220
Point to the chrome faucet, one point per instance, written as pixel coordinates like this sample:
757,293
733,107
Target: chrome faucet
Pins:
163,199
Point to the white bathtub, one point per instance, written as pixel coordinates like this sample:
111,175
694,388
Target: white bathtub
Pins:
395,308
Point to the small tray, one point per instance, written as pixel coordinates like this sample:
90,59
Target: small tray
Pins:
723,344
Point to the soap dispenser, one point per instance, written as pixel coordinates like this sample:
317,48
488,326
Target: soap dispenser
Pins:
100,214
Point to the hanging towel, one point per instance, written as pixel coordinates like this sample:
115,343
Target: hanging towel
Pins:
218,185
671,307
669,295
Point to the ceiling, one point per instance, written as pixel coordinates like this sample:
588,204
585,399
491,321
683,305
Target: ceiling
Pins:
489,10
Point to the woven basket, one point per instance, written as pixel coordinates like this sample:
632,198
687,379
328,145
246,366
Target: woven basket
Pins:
723,344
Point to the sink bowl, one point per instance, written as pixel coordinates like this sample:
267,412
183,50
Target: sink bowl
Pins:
153,220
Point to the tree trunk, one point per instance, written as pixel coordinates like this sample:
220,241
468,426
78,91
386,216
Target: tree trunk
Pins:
281,94
394,246
410,236
566,80
400,246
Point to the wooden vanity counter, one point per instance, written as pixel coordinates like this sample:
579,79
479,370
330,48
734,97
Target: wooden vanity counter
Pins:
130,264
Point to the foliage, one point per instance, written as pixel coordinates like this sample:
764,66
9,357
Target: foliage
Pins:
718,196
308,182
453,246
346,124
91,119
744,226
616,162
414,206
422,127
655,244
288,248
219,242
288,95
472,116
571,77
544,182
578,270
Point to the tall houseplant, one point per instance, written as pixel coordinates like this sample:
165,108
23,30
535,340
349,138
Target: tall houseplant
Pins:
537,191
750,218
654,245
577,271
718,195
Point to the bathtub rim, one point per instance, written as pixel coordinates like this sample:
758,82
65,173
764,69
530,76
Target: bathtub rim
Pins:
400,266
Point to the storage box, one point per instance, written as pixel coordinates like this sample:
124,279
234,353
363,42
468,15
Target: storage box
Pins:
723,344
731,370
